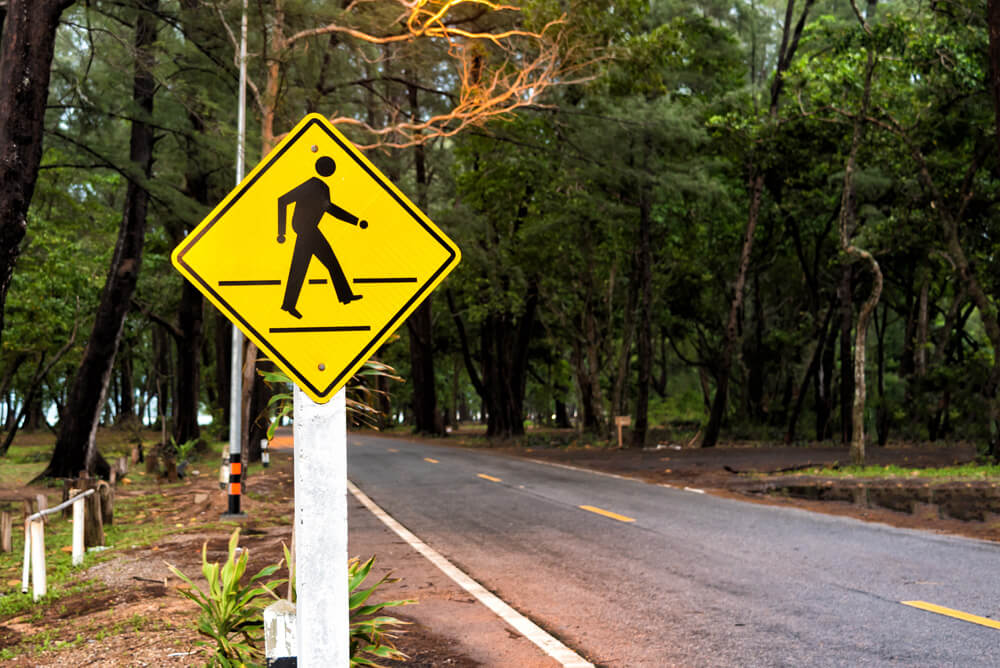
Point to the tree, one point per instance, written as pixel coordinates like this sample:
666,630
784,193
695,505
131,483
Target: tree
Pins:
26,51
790,37
76,448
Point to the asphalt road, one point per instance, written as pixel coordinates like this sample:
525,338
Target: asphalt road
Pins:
686,579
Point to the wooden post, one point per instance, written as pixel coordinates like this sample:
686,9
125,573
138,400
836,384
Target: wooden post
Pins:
6,531
107,494
93,528
38,559
152,463
43,504
78,524
122,466
622,421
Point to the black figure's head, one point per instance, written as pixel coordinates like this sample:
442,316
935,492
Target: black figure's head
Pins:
325,166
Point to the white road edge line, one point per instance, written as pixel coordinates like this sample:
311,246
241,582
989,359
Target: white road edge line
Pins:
558,651
613,475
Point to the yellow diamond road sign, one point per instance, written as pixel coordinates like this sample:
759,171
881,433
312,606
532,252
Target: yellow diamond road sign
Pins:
317,257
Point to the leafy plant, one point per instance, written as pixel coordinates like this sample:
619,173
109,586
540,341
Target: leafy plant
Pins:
371,635
230,611
360,397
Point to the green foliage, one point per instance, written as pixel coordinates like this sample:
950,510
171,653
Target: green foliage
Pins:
371,634
964,472
230,610
361,396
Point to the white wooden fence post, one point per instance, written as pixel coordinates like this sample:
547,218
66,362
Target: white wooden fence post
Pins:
27,557
78,523
38,558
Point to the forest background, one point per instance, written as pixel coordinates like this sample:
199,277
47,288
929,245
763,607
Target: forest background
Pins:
764,220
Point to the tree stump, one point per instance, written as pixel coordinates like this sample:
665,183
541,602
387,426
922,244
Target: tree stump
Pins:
170,469
152,464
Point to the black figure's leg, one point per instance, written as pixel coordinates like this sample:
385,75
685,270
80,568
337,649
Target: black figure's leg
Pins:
321,249
297,274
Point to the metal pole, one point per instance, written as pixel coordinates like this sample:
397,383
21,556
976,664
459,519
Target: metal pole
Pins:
321,531
236,370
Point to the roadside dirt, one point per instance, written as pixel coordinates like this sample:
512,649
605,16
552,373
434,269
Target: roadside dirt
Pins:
133,614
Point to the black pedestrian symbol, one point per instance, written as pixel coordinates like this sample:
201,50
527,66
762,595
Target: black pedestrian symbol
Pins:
312,200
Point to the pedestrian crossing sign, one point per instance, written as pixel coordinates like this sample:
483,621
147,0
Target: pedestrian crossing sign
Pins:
317,257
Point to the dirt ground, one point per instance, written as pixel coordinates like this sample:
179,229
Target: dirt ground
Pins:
133,615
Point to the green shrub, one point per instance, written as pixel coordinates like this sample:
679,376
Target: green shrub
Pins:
231,613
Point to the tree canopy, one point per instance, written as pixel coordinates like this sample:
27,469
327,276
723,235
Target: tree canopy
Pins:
733,217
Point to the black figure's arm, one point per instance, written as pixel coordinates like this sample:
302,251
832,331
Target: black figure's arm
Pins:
345,216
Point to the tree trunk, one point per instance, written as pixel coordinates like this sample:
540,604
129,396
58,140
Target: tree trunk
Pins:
845,295
126,388
644,344
26,50
76,449
187,393
848,214
421,329
223,346
789,44
421,323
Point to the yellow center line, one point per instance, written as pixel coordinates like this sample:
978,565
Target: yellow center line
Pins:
393,450
489,477
957,614
607,513
432,461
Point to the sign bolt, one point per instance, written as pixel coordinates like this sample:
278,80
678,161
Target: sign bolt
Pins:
314,148
322,367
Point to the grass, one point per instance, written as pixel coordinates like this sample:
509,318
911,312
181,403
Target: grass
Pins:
140,520
963,472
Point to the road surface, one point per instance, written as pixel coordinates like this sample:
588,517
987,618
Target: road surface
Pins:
632,574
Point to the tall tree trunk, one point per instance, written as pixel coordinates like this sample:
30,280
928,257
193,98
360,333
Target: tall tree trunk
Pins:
26,50
848,215
76,449
421,323
789,44
126,387
644,344
845,294
420,326
187,392
223,363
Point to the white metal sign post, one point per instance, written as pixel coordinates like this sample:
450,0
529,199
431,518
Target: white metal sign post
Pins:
321,608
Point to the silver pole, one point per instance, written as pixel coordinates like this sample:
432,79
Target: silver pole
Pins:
236,370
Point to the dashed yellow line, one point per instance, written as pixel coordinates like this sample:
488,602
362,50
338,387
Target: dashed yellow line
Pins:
393,450
489,477
432,461
957,614
607,513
